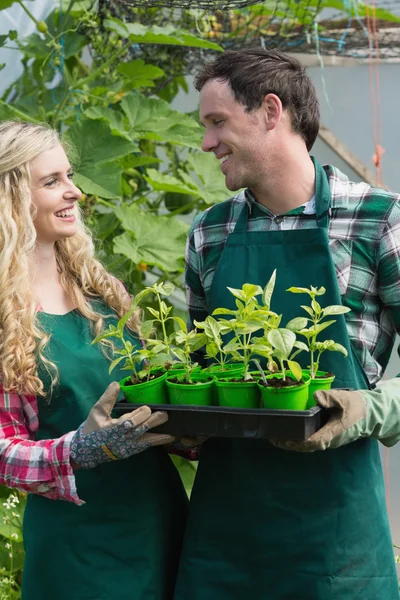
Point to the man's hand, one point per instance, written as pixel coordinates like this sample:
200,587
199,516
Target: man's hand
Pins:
354,415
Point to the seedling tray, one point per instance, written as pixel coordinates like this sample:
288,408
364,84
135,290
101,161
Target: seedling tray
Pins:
214,421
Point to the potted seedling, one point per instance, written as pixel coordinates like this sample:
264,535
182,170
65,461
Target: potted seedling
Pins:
242,348
188,386
146,382
310,327
220,367
286,387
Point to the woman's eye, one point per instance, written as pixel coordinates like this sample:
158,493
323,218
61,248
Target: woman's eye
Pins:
70,175
216,122
50,183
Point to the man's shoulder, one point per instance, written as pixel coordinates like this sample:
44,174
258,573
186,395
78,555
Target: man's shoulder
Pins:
361,199
220,214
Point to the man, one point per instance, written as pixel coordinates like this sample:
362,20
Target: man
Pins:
281,521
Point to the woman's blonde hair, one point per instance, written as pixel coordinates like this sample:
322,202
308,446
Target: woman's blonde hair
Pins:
82,276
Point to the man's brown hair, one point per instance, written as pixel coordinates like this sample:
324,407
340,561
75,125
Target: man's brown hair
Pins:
253,73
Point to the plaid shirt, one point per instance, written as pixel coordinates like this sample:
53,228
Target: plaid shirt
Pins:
364,234
39,467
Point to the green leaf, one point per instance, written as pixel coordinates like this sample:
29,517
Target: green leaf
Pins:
165,289
167,183
211,350
224,311
335,309
295,369
94,148
338,348
198,342
151,239
298,290
100,180
123,321
316,307
154,118
115,362
115,119
268,290
319,291
321,326
181,323
9,112
106,334
308,310
301,345
212,186
146,328
179,353
250,291
153,312
166,35
237,293
139,73
6,3
297,324
283,340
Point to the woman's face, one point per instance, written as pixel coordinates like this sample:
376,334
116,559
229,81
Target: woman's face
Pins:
54,196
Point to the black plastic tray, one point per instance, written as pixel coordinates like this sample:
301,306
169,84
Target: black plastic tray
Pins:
215,421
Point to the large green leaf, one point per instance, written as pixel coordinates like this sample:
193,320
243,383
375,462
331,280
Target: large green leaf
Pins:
140,74
8,111
150,239
167,183
102,180
283,340
212,181
167,35
153,117
115,119
6,3
95,147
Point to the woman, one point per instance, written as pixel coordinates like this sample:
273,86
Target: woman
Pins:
95,527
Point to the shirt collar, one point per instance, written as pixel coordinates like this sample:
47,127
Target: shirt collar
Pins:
339,185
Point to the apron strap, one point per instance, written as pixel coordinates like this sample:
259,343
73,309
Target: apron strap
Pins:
322,202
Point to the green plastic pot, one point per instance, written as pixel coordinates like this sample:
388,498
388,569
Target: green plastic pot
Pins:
289,398
237,394
229,370
200,394
148,392
318,384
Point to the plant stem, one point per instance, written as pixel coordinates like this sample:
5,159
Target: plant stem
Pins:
97,72
28,12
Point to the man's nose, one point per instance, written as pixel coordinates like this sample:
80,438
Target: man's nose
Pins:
209,142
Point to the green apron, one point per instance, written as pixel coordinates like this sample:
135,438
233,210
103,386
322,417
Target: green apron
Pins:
270,524
124,543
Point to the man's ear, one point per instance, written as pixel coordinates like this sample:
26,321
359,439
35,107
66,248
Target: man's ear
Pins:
273,110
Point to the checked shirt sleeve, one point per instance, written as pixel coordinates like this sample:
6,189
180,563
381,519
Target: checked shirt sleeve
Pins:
38,467
389,266
195,295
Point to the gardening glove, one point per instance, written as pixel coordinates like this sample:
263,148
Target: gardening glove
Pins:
354,415
102,439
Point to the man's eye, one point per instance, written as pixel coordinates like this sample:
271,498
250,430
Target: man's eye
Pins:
216,122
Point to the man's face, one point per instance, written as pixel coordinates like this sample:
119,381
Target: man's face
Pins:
239,139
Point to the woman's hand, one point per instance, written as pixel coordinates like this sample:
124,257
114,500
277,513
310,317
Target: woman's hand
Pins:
102,439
